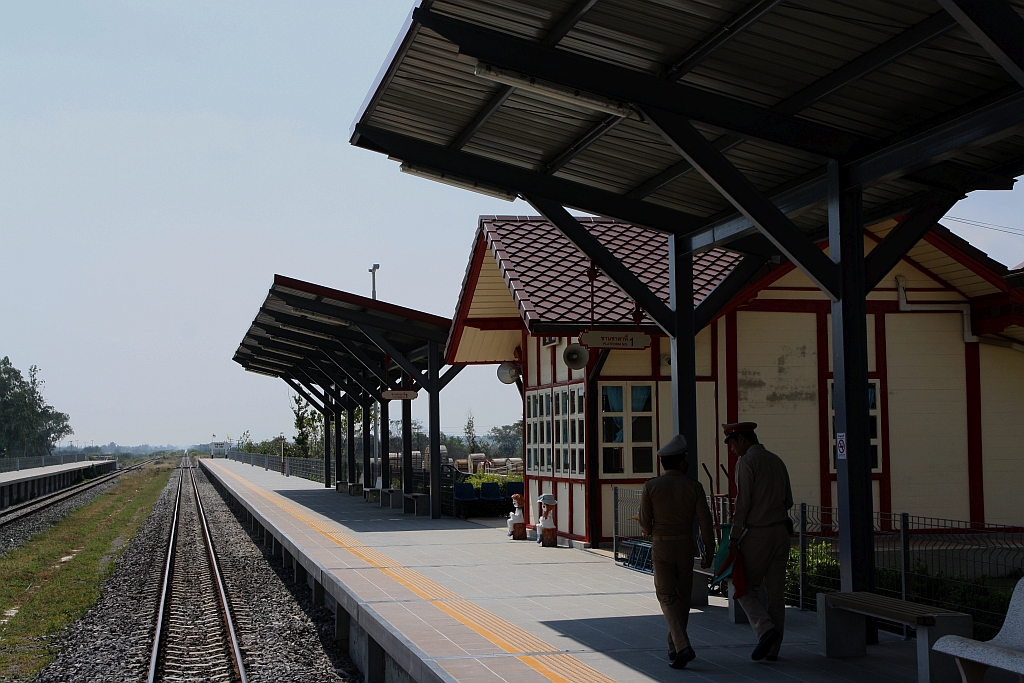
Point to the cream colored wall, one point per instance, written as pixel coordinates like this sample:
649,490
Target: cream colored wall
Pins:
579,510
545,364
1002,414
562,496
622,363
491,298
927,414
777,387
702,353
608,506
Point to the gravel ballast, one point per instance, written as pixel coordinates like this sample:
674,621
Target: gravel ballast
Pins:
112,641
282,635
14,534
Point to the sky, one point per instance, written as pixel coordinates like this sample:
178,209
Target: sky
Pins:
160,162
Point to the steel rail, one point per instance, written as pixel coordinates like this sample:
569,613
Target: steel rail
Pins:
29,507
161,611
225,608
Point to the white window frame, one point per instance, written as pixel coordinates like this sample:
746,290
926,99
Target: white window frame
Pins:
628,443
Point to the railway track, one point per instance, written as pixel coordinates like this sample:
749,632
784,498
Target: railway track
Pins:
195,637
14,513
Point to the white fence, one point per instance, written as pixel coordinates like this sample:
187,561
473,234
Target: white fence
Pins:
16,464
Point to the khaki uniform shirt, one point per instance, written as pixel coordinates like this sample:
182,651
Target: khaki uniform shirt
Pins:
763,494
668,505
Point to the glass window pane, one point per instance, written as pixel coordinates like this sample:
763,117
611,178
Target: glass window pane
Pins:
572,401
579,431
572,431
612,460
580,399
565,431
872,398
549,460
565,402
572,462
643,459
557,402
874,457
611,399
582,465
535,397
558,431
874,427
643,428
612,429
641,399
548,429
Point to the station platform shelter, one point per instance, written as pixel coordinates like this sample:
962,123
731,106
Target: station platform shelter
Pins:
22,485
456,600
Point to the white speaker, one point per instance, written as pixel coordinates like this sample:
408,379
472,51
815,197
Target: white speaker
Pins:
508,373
576,356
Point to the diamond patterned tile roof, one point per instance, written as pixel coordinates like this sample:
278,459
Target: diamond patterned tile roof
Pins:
547,274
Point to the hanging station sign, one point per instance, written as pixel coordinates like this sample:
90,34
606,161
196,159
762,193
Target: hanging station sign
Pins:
597,339
398,395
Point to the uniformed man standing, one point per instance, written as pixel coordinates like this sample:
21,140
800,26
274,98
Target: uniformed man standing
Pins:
668,506
760,534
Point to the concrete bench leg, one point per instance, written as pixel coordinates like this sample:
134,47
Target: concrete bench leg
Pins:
938,667
699,590
840,633
973,672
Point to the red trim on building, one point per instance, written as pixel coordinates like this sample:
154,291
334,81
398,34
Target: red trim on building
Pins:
824,432
466,297
732,397
356,300
975,466
882,370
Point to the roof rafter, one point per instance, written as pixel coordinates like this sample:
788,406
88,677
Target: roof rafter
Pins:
627,85
997,27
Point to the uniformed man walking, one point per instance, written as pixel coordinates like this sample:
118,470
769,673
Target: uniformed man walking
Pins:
668,506
760,534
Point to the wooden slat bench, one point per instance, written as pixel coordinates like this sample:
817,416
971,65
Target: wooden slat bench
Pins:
638,557
842,632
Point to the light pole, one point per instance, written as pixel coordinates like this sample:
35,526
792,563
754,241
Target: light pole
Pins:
373,276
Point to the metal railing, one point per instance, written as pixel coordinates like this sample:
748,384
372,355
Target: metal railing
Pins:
305,468
626,527
17,464
951,564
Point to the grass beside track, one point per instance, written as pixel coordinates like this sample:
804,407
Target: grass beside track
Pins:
53,579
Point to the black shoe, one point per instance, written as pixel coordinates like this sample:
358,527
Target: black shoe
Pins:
764,645
671,655
683,658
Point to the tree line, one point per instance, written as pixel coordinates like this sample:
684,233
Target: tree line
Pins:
29,426
505,441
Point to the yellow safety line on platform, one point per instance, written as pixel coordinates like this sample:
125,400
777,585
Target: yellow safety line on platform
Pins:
557,667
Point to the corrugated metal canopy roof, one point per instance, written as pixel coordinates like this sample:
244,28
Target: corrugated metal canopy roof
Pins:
318,335
862,79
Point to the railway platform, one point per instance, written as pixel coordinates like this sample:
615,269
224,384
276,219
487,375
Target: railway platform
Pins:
26,484
455,600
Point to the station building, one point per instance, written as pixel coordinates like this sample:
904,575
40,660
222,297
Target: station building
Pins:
946,361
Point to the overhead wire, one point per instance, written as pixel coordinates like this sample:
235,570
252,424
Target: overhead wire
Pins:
1019,232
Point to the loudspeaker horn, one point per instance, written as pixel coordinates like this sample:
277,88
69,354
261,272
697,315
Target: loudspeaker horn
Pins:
576,356
508,373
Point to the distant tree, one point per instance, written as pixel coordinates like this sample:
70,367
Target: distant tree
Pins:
507,440
28,424
419,438
309,427
469,431
455,445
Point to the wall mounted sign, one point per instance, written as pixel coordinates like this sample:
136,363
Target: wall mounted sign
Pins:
596,339
398,395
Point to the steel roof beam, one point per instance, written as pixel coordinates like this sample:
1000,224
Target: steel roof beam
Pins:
384,345
619,274
997,27
342,382
322,307
299,329
707,47
617,83
270,354
525,181
742,194
557,32
984,124
730,286
301,391
902,238
869,62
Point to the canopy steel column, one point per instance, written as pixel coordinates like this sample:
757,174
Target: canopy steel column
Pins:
684,372
351,447
408,485
385,444
338,440
367,447
434,392
850,387
327,445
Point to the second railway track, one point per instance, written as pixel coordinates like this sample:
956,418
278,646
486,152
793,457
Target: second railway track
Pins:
195,638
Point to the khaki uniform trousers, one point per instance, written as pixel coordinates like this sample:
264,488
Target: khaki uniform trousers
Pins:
673,578
765,552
